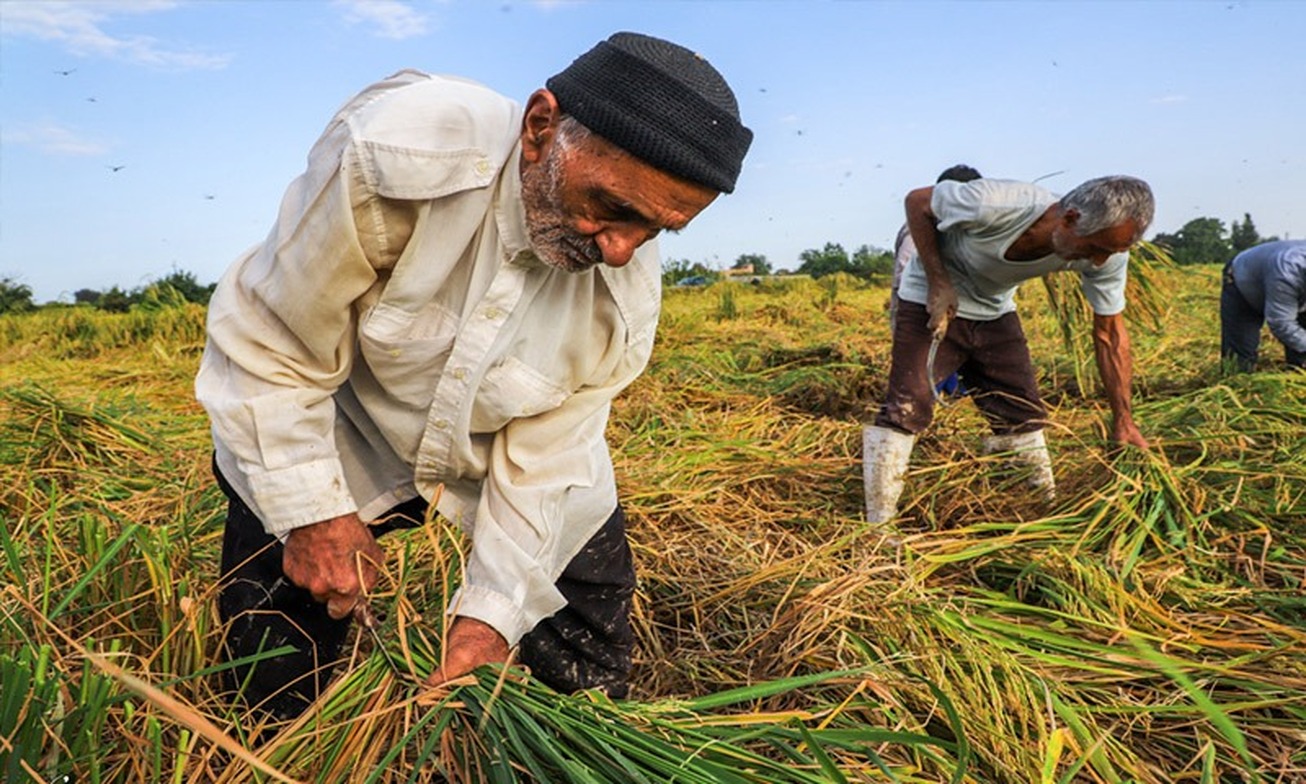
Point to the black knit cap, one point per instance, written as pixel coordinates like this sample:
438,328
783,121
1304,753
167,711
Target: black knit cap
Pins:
659,102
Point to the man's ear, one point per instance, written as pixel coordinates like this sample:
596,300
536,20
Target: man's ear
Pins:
539,125
1070,217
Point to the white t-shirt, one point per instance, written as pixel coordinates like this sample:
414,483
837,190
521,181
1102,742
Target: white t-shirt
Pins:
977,222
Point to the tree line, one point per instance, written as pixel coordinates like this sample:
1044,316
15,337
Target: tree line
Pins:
1207,241
1200,241
866,262
176,288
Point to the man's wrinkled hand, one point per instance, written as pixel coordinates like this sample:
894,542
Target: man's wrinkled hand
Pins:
336,560
469,644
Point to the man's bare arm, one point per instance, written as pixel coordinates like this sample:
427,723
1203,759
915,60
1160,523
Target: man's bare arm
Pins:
1115,364
922,223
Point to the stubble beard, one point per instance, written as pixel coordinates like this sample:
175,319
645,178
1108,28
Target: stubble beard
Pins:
1064,248
554,242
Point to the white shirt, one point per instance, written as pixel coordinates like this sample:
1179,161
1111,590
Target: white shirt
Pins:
396,335
977,222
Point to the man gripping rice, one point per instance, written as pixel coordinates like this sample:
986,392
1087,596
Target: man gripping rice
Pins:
976,243
448,302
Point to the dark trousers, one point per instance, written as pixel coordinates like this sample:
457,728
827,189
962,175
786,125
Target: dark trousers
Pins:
1240,328
990,357
586,644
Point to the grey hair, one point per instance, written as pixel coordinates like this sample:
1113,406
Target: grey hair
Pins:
1110,201
571,132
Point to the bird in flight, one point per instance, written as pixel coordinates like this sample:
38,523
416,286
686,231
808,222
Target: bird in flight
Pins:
117,168
65,73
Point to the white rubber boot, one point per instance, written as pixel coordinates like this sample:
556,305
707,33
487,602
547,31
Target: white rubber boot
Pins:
1028,451
885,453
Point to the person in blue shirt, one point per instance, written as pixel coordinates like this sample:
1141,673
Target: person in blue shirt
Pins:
1265,284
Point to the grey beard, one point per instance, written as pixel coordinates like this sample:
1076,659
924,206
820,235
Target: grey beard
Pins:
562,248
553,241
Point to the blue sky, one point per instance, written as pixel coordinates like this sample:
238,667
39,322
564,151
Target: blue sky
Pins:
210,107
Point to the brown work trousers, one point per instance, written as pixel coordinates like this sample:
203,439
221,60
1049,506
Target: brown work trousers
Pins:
991,358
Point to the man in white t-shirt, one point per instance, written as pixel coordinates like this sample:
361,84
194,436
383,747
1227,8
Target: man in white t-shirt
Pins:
976,243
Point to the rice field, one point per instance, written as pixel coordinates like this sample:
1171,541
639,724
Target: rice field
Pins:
1149,626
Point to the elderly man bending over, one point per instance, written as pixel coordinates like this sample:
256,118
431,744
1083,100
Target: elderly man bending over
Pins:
449,300
976,243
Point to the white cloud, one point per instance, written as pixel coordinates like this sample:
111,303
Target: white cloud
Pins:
388,18
79,26
54,139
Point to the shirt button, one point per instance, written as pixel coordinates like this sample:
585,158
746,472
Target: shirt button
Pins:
441,424
493,313
460,373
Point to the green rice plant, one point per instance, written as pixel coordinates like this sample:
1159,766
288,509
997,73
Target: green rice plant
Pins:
51,721
500,726
727,309
829,292
43,431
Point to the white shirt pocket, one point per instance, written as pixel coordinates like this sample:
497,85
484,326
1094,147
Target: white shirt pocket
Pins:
406,352
513,390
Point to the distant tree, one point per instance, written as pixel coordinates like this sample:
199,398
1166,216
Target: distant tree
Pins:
1200,241
758,262
871,262
86,296
827,261
1243,235
15,297
674,270
115,300
186,285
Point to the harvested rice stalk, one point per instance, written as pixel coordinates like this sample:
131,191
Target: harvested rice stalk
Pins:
502,726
